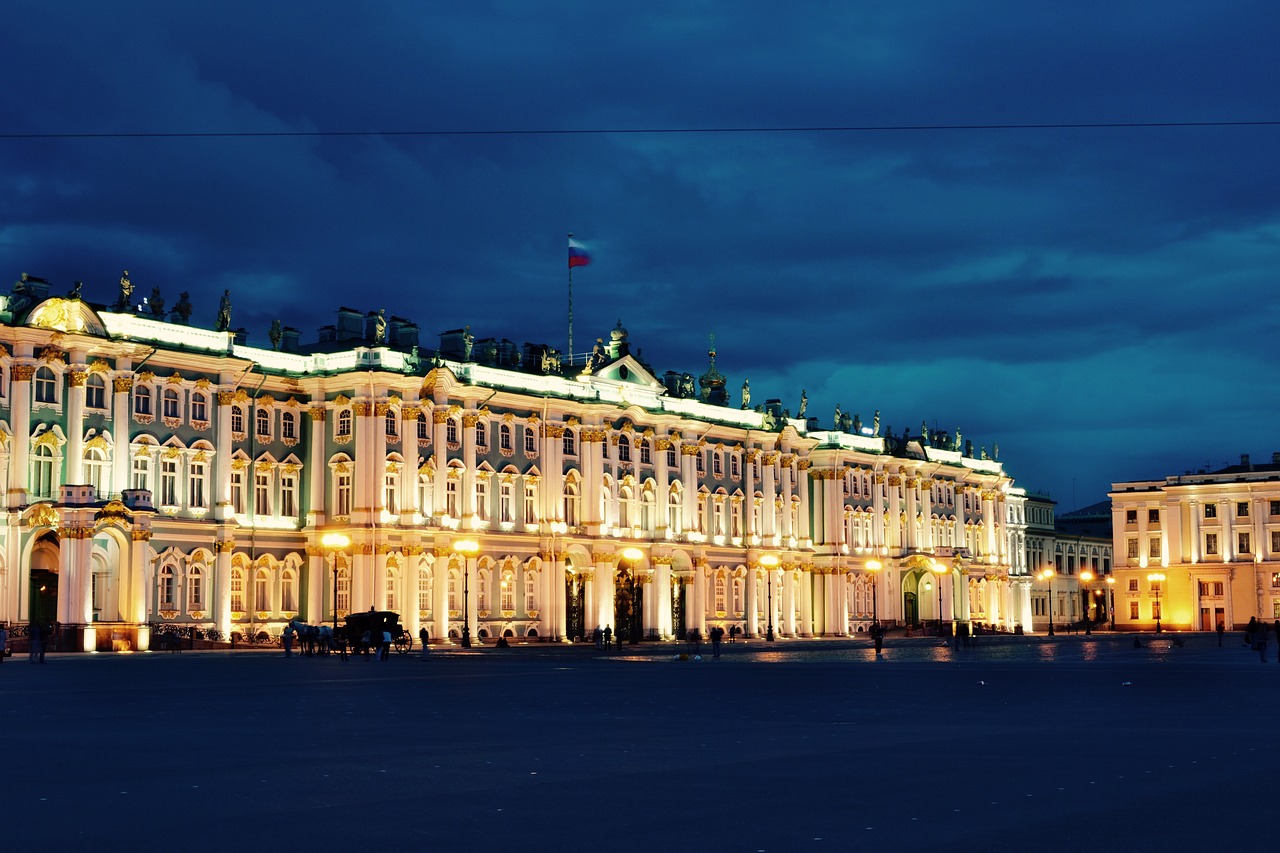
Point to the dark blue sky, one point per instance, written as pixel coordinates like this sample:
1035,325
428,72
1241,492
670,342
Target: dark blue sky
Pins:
1100,302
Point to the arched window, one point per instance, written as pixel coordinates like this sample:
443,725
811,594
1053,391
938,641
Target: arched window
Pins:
424,432
141,400
393,588
571,505
569,444
625,515
95,392
289,591
344,424
504,437
507,593
195,588
624,449
167,588
262,590
96,469
530,591
237,590
451,431
199,407
391,423
262,422
720,593
171,403
237,419
674,503
424,591
646,454
46,386
288,425
42,472
344,590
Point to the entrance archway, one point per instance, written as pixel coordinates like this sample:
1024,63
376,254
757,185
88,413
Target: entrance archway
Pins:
43,592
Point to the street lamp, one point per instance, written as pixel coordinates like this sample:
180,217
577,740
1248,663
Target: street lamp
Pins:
1085,577
770,562
468,548
939,570
1047,576
1111,600
1157,580
333,543
873,568
633,555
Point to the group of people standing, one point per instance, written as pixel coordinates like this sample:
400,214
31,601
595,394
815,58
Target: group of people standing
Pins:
1255,636
41,636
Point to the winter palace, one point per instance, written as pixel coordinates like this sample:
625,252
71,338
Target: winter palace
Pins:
160,473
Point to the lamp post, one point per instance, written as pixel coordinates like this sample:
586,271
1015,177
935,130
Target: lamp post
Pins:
334,543
873,568
1157,580
1111,600
468,548
1046,575
1085,577
633,556
770,562
939,570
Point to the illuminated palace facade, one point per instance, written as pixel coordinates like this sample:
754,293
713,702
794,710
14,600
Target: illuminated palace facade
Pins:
1196,550
163,474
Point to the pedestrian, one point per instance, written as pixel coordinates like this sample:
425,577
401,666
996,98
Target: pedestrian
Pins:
597,636
1278,641
4,642
36,653
716,633
618,639
365,642
1261,637
288,640
608,632
423,636
1251,632
877,635
384,652
1221,630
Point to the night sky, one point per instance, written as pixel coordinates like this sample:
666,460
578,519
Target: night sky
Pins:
1099,301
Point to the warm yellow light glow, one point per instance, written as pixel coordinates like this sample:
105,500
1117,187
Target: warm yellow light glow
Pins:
1046,574
1156,577
632,554
1086,576
874,565
937,568
1111,580
336,541
466,546
559,527
769,560
928,585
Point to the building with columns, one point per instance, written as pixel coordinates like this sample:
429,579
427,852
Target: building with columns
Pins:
1198,549
163,474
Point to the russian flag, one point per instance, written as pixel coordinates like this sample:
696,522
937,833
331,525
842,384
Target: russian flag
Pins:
578,256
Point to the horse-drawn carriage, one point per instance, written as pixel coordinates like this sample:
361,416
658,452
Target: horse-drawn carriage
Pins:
364,632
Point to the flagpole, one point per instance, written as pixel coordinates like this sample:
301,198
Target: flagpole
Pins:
570,310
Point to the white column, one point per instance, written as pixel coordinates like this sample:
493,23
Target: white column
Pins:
753,620
76,379
805,533
319,473
689,478
662,583
768,517
440,459
785,472
749,493
20,412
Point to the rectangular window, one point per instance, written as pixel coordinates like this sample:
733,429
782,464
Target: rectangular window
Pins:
1133,610
342,495
1210,543
196,484
1155,547
482,500
1155,610
289,496
671,457
451,499
1275,541
1153,516
735,468
262,493
1244,544
1217,588
1133,547
1210,510
624,450
141,478
530,441
237,591
237,492
1133,584
1242,509
1131,516
1275,508
530,505
646,457
169,482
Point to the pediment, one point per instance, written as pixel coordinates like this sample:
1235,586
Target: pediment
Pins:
627,371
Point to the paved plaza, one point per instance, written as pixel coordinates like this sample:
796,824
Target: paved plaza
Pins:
1017,744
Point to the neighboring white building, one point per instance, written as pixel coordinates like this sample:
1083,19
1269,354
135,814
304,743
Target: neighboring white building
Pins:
1215,538
160,474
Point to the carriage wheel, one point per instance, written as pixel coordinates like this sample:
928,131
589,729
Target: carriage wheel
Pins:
403,643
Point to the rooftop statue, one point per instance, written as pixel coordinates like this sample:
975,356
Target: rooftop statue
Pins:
223,323
380,327
183,308
746,394
804,403
126,291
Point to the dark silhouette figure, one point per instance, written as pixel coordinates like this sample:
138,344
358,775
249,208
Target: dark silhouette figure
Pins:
608,637
1221,630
